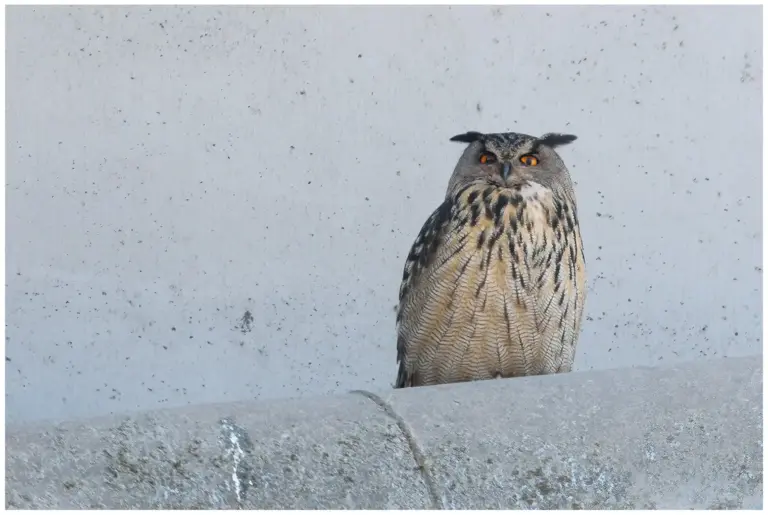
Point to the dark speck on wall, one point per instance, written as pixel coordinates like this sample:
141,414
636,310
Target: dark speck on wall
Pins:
246,322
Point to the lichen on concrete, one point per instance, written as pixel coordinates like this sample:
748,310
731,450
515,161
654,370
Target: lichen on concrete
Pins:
169,472
538,478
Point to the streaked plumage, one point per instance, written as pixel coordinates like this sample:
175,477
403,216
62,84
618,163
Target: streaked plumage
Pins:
494,285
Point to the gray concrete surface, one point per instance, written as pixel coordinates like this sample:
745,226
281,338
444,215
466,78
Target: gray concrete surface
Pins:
688,436
213,204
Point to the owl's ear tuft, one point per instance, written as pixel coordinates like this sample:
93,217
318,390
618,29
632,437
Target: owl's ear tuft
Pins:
552,139
468,137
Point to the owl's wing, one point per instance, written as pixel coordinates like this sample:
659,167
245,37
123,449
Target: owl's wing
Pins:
423,252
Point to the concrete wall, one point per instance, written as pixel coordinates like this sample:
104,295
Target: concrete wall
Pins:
214,204
683,437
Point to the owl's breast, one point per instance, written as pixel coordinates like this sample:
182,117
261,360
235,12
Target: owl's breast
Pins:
523,215
523,236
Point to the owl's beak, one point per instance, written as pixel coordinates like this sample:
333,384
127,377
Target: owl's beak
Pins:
505,169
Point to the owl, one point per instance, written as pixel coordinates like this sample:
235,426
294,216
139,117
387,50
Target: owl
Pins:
495,282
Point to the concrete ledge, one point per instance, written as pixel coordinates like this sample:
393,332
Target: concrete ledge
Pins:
683,437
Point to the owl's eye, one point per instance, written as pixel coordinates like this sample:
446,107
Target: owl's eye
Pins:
487,158
529,160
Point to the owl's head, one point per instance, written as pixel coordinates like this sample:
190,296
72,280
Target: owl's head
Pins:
508,159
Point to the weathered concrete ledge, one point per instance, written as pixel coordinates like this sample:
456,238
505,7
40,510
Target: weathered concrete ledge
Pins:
683,437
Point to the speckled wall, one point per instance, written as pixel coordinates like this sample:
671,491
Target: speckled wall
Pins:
214,204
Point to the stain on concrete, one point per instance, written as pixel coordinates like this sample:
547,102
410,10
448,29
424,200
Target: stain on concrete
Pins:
746,72
245,324
239,448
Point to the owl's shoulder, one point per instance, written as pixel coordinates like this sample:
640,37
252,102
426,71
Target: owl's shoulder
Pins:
426,243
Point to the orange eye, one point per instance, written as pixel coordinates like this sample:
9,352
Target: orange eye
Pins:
487,158
529,160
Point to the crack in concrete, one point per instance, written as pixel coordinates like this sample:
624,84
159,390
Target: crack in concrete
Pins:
419,455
